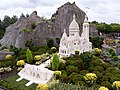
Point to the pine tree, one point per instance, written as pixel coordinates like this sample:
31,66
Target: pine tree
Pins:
55,62
29,56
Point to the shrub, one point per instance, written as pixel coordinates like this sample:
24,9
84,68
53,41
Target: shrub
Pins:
90,78
53,49
97,51
107,84
29,56
50,42
70,69
115,58
19,69
29,43
64,86
8,57
52,84
98,68
2,70
58,41
84,72
37,57
113,53
87,58
76,79
22,56
64,77
116,85
97,41
103,88
55,62
7,69
42,87
57,74
111,50
119,65
62,65
33,25
26,30
20,63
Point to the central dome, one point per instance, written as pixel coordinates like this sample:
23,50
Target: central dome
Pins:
74,25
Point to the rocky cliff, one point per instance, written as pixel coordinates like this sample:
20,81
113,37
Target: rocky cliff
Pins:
17,34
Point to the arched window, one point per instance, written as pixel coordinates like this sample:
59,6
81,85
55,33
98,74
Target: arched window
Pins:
65,51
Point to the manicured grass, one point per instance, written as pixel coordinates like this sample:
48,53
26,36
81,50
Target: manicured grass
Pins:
21,84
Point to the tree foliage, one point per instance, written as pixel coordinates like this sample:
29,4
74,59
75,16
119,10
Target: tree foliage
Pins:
97,41
29,56
50,42
29,43
107,28
55,62
5,23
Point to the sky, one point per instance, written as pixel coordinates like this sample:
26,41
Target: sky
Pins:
99,10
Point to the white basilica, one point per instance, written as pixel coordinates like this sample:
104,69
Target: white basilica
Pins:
73,42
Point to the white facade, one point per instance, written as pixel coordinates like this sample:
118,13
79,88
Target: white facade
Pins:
69,44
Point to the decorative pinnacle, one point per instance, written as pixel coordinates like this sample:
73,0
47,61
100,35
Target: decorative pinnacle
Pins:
73,16
64,30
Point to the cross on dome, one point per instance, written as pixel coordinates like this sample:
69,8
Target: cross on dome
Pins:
74,25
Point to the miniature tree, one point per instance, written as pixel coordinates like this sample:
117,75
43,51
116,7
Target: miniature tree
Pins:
115,58
111,50
55,62
8,57
29,56
53,49
29,43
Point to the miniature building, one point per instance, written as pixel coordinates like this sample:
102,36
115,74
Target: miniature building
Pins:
73,42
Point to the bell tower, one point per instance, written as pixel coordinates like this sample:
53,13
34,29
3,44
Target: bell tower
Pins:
85,33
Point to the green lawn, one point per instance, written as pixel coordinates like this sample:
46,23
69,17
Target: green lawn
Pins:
20,85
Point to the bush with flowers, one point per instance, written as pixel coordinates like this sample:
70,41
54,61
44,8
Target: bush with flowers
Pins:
90,78
53,49
20,63
116,85
42,87
97,51
8,57
37,57
57,74
103,88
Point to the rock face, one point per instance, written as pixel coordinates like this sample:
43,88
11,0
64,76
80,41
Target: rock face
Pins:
13,35
16,36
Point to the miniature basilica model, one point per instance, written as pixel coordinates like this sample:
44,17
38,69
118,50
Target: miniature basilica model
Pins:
75,42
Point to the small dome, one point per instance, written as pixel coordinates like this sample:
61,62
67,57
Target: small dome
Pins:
74,25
